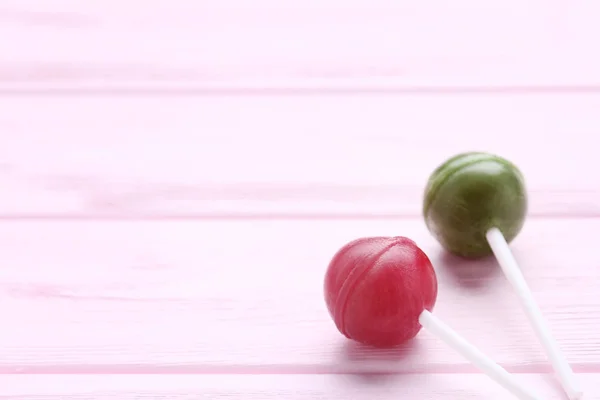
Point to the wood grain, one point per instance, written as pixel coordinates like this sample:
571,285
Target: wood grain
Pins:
270,387
107,45
239,297
176,176
336,156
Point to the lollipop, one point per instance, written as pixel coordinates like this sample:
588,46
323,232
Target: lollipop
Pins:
380,291
475,205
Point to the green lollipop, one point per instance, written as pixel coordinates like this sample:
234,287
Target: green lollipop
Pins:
475,205
467,196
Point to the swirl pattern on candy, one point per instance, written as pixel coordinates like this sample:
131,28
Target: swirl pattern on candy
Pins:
468,195
376,288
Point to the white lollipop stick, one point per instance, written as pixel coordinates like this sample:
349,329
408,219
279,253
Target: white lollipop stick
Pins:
476,357
515,277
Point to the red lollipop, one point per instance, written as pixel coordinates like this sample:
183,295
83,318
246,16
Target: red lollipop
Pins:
380,291
377,287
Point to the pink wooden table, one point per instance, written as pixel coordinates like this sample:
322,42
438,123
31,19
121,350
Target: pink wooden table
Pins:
176,176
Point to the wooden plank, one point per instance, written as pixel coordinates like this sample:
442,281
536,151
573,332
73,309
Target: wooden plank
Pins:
325,155
294,387
239,297
102,44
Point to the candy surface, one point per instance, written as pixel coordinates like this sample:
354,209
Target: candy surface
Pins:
376,288
469,194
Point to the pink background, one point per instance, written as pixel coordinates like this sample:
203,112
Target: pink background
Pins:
176,175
